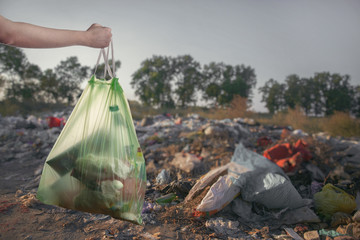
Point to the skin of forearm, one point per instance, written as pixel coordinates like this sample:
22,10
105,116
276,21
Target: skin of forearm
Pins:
31,36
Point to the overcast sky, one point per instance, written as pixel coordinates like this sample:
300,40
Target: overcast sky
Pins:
275,37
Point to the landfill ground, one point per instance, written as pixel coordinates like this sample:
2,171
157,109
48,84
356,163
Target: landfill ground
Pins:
203,145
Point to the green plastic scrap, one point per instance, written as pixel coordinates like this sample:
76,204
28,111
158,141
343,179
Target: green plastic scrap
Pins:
330,233
168,198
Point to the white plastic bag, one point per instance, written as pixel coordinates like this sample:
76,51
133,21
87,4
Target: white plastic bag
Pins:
262,181
220,194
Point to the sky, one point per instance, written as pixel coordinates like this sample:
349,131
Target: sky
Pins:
274,37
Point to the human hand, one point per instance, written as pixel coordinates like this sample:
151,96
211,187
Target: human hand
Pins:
98,36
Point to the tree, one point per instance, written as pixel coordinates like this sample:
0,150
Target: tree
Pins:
212,79
27,87
247,78
187,77
152,82
2,81
101,68
333,92
18,76
49,86
273,95
306,92
212,91
319,83
12,61
223,82
356,106
70,74
293,91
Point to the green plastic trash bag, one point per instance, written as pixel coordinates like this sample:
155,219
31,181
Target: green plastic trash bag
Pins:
332,199
96,164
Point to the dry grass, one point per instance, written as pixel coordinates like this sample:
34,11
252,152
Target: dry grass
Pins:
342,124
339,124
8,109
239,108
139,111
295,118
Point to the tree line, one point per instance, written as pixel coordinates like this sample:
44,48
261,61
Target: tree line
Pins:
170,82
322,94
27,87
177,82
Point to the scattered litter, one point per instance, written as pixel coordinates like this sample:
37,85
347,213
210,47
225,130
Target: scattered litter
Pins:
163,177
193,163
223,226
55,122
149,236
262,181
288,156
186,161
28,200
168,198
330,233
221,193
293,234
312,235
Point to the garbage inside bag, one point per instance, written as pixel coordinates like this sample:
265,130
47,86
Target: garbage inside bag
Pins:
332,199
96,164
262,181
221,193
64,161
92,169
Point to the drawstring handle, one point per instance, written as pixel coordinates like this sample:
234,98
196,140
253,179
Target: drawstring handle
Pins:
111,72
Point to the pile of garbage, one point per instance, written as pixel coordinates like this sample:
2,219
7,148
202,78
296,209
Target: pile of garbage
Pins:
261,175
237,178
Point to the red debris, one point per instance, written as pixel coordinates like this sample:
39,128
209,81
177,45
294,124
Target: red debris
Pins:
290,163
287,156
55,122
302,147
279,151
264,141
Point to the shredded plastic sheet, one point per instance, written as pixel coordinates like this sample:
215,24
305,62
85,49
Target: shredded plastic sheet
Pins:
96,164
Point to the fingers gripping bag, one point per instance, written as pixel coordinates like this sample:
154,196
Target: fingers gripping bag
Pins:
96,164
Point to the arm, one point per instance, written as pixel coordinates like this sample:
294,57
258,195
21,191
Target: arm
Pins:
31,36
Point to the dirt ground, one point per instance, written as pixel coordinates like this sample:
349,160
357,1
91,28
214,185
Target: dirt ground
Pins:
24,217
